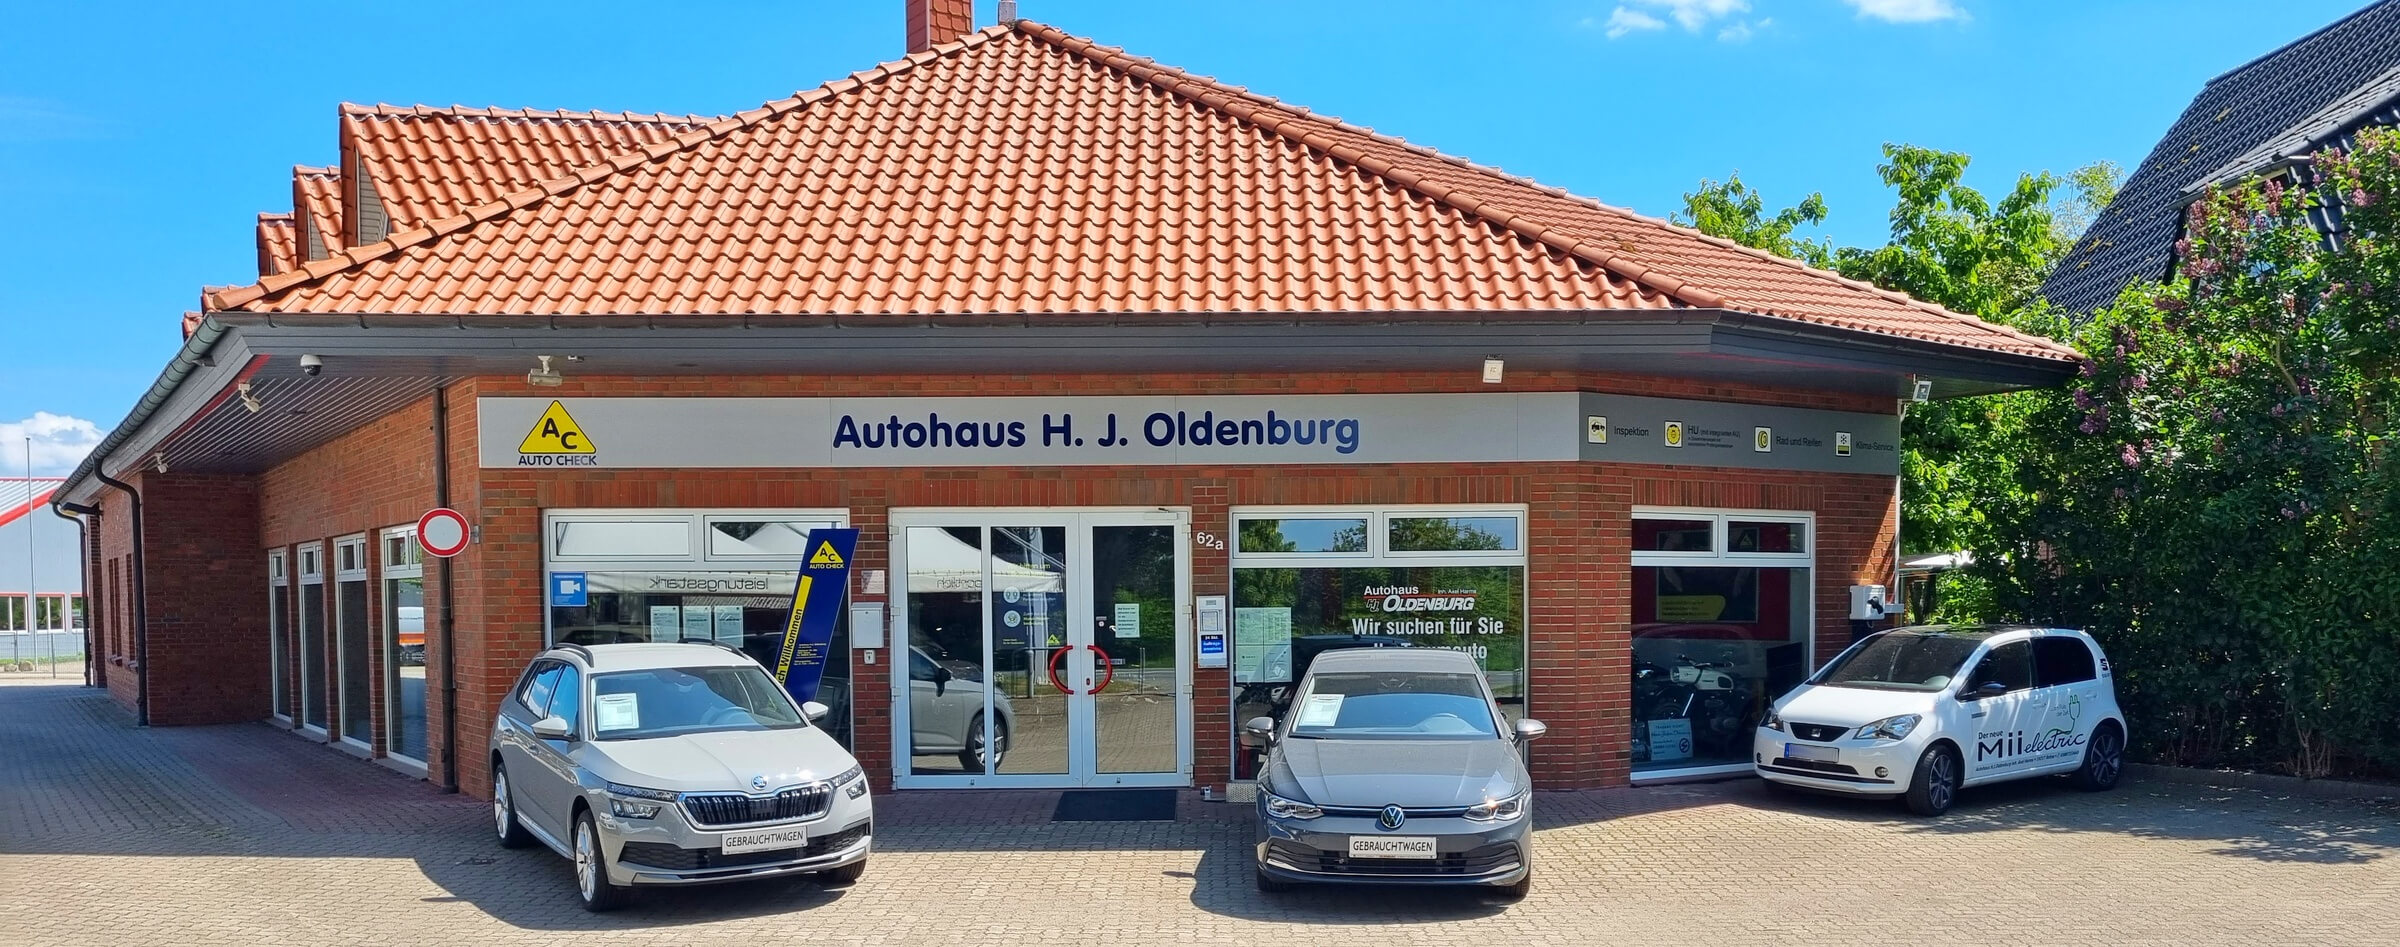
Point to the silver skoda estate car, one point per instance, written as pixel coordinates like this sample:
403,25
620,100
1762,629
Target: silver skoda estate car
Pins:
662,764
1394,767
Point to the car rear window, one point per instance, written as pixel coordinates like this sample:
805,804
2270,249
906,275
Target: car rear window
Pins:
2058,659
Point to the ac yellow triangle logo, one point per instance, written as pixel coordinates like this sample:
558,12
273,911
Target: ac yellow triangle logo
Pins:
825,558
556,433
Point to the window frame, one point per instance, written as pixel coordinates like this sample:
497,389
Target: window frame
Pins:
1378,551
279,576
696,522
1720,537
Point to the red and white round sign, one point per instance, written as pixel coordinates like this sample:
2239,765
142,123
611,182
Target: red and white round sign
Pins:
443,532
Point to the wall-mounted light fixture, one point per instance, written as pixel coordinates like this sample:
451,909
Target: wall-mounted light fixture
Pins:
544,376
158,461
1492,368
249,400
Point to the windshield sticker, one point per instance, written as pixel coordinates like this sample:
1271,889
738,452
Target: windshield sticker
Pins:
618,712
1321,710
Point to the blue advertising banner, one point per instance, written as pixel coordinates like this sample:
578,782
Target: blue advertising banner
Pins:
816,605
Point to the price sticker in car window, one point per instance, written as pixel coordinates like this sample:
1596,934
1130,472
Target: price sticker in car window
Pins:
617,712
1321,710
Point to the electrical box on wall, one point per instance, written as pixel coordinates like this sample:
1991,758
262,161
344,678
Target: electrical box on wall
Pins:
1871,603
866,624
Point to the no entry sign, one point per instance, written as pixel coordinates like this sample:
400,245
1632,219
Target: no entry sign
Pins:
443,532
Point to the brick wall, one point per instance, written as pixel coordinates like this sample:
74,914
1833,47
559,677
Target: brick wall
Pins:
204,598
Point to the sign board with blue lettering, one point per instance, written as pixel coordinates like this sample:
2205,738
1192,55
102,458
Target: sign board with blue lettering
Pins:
816,604
568,590
1068,431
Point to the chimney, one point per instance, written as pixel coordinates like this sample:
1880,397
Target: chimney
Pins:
934,22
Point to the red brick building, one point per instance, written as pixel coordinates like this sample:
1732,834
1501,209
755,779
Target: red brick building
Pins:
1140,388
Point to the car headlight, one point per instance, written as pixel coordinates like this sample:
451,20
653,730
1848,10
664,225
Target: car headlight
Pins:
1282,808
1774,720
1890,728
1498,810
635,802
855,777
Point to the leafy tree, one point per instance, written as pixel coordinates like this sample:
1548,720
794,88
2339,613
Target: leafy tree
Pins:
1737,212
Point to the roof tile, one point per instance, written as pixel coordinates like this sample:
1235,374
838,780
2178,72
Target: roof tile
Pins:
1027,171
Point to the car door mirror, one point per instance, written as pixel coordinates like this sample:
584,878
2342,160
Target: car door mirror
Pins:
941,679
552,728
815,711
1986,689
1531,730
1258,731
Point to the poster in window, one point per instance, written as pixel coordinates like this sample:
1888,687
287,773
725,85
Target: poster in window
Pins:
1707,593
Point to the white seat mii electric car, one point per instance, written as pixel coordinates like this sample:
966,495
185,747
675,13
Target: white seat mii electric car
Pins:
1918,713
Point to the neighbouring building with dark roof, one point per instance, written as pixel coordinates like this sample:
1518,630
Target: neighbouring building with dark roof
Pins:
2267,116
1135,384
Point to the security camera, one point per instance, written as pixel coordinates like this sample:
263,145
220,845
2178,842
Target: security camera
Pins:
313,365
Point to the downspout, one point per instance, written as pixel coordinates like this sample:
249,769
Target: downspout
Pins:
141,611
441,498
83,567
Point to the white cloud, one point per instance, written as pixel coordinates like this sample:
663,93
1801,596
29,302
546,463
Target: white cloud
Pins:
1741,31
1908,11
59,443
1625,20
1693,15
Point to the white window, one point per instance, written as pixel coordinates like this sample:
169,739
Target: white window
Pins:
1723,605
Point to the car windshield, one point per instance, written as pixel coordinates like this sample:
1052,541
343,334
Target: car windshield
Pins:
1394,705
664,702
1900,662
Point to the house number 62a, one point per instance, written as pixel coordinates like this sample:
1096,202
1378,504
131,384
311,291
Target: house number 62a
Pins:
1207,540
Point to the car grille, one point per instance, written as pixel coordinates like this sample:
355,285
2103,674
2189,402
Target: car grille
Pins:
1817,732
805,802
1420,812
678,858
1490,859
1817,765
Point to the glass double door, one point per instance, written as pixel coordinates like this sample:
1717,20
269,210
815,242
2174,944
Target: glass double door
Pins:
1042,649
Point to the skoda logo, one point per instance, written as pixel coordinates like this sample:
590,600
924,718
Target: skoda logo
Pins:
759,782
1392,818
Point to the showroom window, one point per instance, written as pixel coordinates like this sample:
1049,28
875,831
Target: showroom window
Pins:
1722,620
311,629
279,634
1306,581
350,635
403,631
672,575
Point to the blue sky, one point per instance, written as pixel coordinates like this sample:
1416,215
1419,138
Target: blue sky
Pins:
138,143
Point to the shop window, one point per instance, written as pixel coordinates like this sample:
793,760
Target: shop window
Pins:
620,539
1719,630
311,633
403,644
1675,535
351,634
1452,533
643,579
1301,535
279,632
1289,607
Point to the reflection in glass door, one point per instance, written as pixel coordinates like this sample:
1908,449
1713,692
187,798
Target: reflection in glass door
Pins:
1042,649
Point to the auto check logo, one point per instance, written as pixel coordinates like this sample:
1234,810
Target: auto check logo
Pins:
1391,818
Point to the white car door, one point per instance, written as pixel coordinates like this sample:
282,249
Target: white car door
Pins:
2068,674
2000,717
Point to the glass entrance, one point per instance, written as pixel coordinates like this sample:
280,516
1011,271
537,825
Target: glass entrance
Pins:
1042,649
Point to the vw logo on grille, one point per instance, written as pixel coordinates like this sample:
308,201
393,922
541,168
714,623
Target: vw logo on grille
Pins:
759,782
1392,818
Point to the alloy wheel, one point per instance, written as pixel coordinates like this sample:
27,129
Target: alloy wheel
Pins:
2108,757
587,868
500,813
1941,778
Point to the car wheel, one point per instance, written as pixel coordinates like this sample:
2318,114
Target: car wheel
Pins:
591,868
1269,884
845,875
2103,760
504,812
1935,785
972,757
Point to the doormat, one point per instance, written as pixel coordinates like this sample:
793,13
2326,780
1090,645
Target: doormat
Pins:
1115,805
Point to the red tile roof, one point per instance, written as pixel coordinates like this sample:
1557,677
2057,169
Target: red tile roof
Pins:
278,244
317,203
429,163
1024,170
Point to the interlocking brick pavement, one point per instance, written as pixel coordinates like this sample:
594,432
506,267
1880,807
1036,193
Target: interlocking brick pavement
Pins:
115,836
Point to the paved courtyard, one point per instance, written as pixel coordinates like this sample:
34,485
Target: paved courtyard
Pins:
242,835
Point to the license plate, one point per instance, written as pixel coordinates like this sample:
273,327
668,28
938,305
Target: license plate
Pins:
1802,751
1391,846
765,840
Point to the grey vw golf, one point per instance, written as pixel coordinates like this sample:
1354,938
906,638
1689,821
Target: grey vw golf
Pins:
1394,767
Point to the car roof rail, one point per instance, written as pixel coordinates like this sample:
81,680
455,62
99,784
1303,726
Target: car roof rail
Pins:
575,648
713,641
